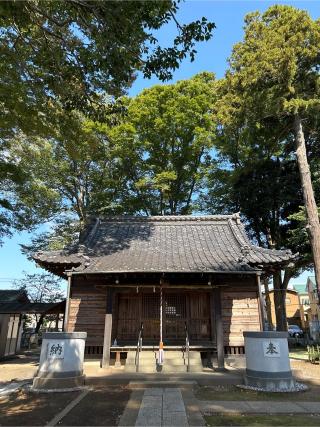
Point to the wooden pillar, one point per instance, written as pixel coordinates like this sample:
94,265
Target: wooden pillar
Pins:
66,313
107,330
219,328
57,322
118,360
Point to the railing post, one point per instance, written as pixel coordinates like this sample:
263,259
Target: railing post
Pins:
137,359
187,346
139,347
188,368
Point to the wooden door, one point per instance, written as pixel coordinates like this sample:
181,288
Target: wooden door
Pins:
151,317
199,323
174,316
128,319
179,309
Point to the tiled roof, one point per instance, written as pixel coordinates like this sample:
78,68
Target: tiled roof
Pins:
164,244
300,288
31,307
10,295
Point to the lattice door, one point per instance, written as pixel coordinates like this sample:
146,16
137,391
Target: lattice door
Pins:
175,316
151,317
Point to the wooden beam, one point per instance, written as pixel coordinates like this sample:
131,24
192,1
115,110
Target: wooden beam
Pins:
219,328
107,330
66,313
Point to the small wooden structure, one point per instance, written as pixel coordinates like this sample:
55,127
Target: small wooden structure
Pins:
13,304
205,268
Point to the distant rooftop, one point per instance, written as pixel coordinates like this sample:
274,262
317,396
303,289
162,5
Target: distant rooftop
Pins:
312,279
10,295
17,301
300,288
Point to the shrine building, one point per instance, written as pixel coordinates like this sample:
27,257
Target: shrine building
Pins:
192,282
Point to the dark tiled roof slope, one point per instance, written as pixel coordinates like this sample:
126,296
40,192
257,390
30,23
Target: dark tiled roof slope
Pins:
165,244
11,295
30,307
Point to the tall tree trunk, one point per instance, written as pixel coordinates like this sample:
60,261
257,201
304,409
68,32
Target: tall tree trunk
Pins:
39,323
279,295
268,301
308,196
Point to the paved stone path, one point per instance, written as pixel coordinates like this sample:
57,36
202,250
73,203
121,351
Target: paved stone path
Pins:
162,407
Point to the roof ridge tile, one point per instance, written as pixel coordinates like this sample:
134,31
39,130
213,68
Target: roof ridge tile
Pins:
167,218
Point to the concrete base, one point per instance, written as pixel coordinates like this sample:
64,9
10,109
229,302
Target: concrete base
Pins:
267,361
271,384
41,383
61,361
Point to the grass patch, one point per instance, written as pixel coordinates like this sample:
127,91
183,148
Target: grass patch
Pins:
298,353
262,420
232,393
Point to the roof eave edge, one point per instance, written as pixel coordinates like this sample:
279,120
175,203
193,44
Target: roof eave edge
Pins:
256,271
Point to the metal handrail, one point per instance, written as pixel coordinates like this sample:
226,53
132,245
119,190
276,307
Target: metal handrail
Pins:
139,348
187,345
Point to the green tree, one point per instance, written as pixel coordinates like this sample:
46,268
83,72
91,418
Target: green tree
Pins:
58,57
266,192
273,83
77,51
154,162
77,174
172,130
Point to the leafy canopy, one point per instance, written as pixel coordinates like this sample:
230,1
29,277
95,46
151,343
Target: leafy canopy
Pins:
171,129
80,51
154,162
275,69
57,57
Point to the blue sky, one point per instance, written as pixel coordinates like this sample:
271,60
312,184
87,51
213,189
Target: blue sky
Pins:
212,56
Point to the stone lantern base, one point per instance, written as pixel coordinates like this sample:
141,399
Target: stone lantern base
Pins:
267,361
61,361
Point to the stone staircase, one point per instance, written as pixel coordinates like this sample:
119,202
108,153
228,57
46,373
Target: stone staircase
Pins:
175,361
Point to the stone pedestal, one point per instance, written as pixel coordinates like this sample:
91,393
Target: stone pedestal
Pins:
61,361
267,361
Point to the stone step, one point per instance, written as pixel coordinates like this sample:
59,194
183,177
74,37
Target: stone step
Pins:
142,369
176,383
164,369
171,369
168,354
174,361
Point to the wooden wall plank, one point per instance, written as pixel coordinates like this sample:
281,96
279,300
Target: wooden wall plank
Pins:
240,312
87,312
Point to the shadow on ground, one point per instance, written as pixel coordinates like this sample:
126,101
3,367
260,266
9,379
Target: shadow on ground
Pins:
101,406
29,409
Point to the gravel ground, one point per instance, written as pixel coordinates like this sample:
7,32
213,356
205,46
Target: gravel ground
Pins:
307,369
233,393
